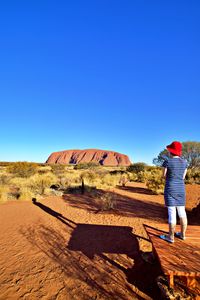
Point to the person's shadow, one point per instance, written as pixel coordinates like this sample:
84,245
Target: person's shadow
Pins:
54,213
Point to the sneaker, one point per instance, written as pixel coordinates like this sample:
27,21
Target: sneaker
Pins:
166,238
179,235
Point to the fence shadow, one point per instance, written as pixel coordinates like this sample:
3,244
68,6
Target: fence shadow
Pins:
136,190
123,205
96,254
102,240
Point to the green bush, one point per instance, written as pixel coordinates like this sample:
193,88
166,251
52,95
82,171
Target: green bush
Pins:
138,172
137,167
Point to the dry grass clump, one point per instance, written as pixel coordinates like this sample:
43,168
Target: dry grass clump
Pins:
87,166
34,186
70,178
4,190
24,181
108,181
39,183
22,169
25,194
93,178
4,179
151,176
106,201
58,168
124,179
32,180
44,169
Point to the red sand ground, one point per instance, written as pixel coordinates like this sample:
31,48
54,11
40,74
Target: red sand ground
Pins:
67,249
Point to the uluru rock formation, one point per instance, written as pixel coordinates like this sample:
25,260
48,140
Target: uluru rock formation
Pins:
103,157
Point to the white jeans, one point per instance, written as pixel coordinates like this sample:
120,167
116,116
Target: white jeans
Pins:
172,213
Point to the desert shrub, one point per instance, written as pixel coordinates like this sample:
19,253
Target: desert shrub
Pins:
73,177
115,172
133,177
38,183
106,202
4,190
86,178
109,181
18,182
89,176
34,185
155,181
4,179
89,165
124,179
193,176
2,170
142,176
137,167
58,168
139,177
25,194
62,181
4,163
152,168
14,193
138,171
44,169
22,169
59,171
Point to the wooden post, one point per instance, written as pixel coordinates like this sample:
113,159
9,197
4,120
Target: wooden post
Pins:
171,280
189,281
82,186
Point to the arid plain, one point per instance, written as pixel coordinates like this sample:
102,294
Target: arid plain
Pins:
65,248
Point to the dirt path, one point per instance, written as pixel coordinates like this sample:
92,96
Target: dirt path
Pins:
65,249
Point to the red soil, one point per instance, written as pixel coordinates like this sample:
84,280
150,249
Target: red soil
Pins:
63,248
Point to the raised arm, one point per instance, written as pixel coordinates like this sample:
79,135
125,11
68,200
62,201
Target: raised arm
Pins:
184,174
164,172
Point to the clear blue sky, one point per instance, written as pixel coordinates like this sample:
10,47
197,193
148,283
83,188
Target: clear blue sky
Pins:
114,75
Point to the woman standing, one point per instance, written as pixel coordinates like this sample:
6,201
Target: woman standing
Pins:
175,169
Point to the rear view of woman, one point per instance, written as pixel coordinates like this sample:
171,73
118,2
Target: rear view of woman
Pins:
175,169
